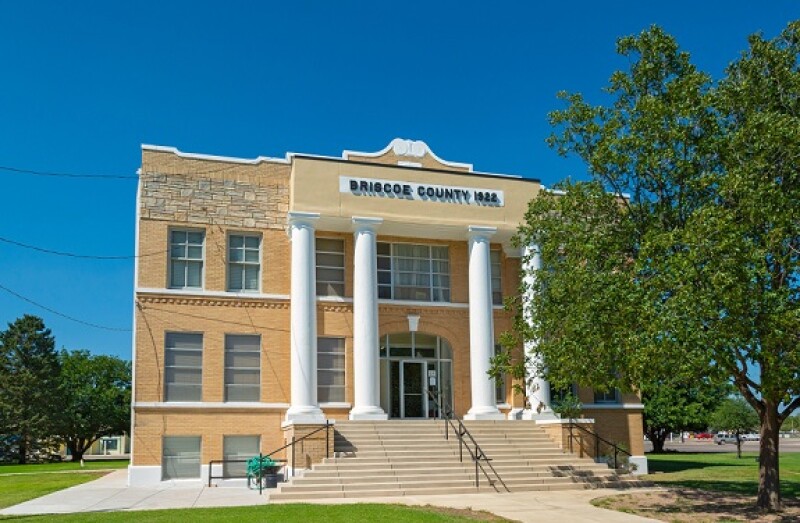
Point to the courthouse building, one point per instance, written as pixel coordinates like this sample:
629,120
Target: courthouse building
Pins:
279,291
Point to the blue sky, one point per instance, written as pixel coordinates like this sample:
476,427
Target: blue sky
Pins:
83,84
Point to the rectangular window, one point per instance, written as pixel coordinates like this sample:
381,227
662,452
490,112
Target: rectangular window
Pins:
242,367
186,259
500,385
330,370
183,366
330,267
239,449
180,457
244,262
497,288
610,396
413,272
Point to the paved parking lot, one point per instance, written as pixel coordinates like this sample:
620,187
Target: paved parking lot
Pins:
786,445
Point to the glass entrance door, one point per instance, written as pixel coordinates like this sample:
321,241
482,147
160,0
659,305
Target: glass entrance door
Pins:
414,398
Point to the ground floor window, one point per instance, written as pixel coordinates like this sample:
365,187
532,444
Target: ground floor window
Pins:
413,363
330,370
239,448
180,457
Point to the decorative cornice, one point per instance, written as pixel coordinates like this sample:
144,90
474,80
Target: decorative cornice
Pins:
207,301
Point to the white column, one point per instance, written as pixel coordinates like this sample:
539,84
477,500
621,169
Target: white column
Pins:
538,389
366,401
481,325
304,407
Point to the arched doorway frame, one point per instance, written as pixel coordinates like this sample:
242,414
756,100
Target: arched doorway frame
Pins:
408,361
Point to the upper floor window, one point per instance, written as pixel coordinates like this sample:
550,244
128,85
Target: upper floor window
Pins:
497,288
609,396
330,267
413,272
186,259
242,367
244,262
183,366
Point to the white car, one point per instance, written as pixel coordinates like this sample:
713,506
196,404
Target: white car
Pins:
719,439
751,437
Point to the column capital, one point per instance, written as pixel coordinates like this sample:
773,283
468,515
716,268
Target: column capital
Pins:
480,232
364,224
302,218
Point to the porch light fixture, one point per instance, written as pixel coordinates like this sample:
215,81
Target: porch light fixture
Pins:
413,322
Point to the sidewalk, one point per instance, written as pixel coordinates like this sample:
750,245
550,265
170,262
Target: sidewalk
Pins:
111,493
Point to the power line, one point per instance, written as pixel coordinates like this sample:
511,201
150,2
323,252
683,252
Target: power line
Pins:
57,174
74,255
53,311
68,175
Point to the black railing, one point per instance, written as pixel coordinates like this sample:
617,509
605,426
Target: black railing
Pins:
260,477
477,454
617,450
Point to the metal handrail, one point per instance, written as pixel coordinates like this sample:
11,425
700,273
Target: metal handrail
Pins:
597,440
294,441
291,444
446,413
211,475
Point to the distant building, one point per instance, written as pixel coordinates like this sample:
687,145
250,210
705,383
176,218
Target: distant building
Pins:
278,292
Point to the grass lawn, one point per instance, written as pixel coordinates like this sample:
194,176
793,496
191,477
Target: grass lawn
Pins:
284,513
64,465
16,489
723,471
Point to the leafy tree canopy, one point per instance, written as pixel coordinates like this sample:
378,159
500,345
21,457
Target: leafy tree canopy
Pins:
681,256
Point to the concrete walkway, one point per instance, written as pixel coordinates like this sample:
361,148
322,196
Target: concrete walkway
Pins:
111,493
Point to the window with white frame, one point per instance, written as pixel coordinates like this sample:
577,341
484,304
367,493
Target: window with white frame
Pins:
495,257
238,449
242,367
180,457
608,396
330,267
183,366
413,272
186,259
330,370
244,262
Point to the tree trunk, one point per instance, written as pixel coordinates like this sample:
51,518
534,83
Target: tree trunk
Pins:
23,450
75,449
657,438
738,446
769,486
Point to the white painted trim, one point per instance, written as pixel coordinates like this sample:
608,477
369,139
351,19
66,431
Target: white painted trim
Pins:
413,303
503,405
211,157
400,143
212,294
561,421
336,405
334,299
613,406
135,305
211,405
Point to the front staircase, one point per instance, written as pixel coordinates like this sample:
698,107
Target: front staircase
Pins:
404,458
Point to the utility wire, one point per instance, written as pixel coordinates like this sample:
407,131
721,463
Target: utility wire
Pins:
68,175
48,309
20,170
73,255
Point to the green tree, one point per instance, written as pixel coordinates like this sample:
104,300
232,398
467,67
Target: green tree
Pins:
672,406
735,416
681,256
96,397
29,378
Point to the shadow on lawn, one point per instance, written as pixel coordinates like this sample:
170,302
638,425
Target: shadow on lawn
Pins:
684,464
707,502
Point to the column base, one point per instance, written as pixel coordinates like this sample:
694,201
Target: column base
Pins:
484,413
307,415
639,465
368,413
531,414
